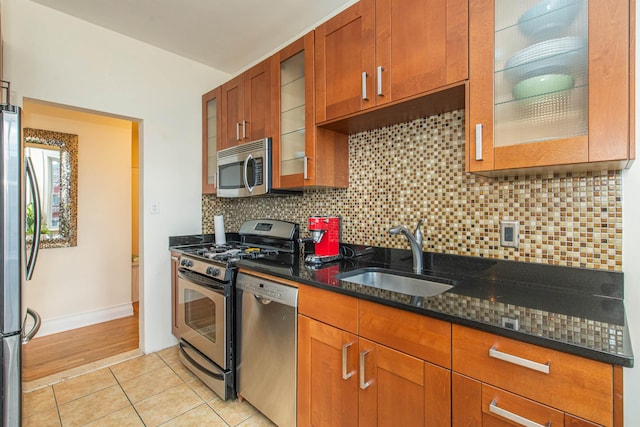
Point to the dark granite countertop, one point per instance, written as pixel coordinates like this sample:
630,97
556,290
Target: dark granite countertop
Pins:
577,311
574,310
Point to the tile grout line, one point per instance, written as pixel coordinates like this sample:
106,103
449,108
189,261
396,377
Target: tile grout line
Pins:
127,396
55,399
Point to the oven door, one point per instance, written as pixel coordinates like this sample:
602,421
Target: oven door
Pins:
202,314
244,170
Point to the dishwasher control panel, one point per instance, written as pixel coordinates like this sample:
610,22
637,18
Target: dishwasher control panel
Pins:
268,289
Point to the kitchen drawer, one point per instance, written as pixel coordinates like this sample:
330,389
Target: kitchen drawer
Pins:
500,407
332,308
420,336
573,384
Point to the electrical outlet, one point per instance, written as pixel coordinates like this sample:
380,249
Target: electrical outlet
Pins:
509,234
155,207
509,322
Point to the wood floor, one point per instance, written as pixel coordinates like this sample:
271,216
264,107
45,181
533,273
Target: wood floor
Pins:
56,353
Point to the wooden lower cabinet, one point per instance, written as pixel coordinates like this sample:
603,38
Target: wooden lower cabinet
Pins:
478,404
560,380
400,390
346,380
324,397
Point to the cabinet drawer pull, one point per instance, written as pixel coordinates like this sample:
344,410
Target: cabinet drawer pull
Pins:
244,129
479,141
238,131
364,86
380,70
363,384
530,364
495,409
345,375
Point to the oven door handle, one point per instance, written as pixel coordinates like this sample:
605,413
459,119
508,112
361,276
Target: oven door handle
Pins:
201,368
193,278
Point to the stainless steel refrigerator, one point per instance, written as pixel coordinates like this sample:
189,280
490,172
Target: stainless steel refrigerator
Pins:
18,180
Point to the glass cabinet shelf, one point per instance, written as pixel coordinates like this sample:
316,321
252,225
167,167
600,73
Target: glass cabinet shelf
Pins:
292,115
540,70
212,141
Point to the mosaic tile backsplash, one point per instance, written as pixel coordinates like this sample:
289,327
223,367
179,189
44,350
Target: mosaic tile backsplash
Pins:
401,173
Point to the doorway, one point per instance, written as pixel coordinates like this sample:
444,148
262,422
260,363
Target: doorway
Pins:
88,293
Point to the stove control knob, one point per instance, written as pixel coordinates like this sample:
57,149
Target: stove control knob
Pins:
211,271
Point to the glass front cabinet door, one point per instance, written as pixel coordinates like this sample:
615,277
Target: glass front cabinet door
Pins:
303,154
549,85
210,132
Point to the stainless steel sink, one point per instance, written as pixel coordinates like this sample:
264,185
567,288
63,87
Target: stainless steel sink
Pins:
395,281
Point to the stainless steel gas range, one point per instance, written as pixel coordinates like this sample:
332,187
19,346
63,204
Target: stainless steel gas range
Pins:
205,306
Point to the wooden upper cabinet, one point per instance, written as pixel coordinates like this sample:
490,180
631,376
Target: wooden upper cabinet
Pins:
246,106
421,45
303,155
345,62
211,128
257,101
380,51
556,99
232,112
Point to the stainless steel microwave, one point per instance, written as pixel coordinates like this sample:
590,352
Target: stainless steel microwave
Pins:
245,170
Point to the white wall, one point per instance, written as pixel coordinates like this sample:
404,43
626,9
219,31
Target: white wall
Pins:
631,264
54,57
97,272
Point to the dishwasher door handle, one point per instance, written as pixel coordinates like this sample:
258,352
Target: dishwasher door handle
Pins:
262,300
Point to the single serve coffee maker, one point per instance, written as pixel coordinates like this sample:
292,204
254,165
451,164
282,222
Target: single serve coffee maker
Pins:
325,235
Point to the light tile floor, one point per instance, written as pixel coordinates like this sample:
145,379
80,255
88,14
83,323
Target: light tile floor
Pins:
151,390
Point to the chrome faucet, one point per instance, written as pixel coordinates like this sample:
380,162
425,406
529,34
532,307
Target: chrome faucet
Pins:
415,241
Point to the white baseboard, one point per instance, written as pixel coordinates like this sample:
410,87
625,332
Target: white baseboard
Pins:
74,321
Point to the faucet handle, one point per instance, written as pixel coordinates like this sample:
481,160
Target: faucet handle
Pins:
418,233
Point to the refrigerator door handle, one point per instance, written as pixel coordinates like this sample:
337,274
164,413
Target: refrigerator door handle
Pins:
27,336
35,195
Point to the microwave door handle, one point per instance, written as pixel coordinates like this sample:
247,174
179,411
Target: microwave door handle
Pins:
246,179
37,211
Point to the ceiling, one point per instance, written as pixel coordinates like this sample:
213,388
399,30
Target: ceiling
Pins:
227,35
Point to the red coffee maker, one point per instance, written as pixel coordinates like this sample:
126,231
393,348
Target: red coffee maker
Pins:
325,234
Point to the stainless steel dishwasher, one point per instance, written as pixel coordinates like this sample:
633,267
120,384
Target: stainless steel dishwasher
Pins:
266,346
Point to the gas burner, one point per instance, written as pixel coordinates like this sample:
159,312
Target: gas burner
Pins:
236,254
